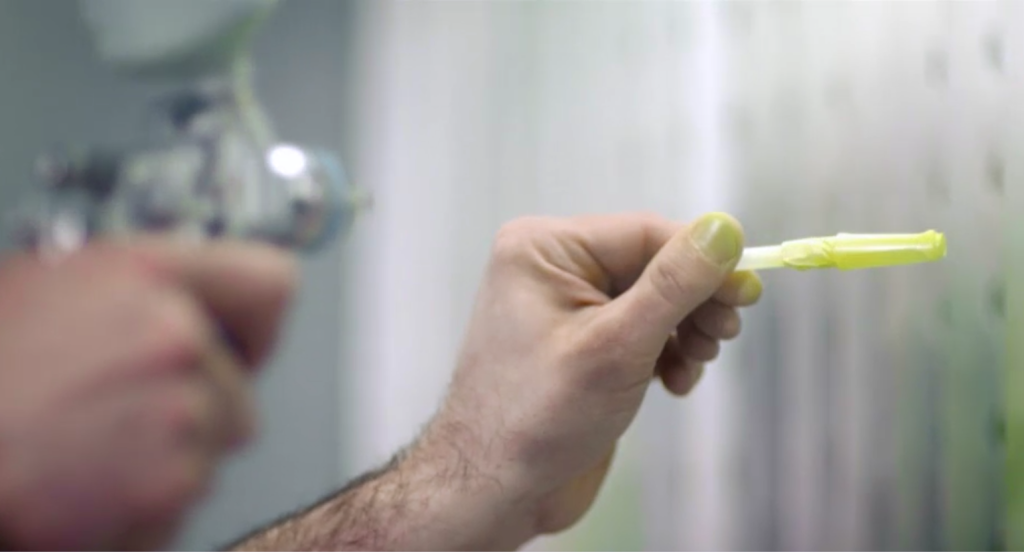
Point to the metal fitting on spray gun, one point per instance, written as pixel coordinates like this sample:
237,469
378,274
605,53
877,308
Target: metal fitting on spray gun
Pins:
210,169
211,165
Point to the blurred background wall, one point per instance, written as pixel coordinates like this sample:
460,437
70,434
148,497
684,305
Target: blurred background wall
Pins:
858,411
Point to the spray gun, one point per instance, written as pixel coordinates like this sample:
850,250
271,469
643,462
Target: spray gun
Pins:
211,165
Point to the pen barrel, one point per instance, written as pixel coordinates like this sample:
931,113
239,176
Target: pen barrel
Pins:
857,251
847,252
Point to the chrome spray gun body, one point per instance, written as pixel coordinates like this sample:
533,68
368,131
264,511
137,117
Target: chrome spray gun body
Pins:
211,166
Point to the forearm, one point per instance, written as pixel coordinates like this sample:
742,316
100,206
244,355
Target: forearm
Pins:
428,499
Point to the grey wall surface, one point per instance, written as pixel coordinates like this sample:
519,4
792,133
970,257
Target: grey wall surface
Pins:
52,90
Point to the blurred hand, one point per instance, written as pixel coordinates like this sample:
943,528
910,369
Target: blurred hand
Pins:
574,319
118,397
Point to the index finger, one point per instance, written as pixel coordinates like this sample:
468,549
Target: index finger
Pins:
622,244
246,287
741,289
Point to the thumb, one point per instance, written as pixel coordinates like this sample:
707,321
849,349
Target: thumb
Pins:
684,273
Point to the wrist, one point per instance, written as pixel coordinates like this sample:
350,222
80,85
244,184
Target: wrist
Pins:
470,506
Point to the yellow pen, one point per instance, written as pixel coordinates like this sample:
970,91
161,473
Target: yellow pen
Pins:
847,252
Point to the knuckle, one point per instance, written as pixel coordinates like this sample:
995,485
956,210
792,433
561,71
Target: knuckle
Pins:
515,237
650,217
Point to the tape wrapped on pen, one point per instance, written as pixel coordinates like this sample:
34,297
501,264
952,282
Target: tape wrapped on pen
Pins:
847,252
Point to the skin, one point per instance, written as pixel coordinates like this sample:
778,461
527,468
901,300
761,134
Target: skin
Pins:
118,396
574,319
